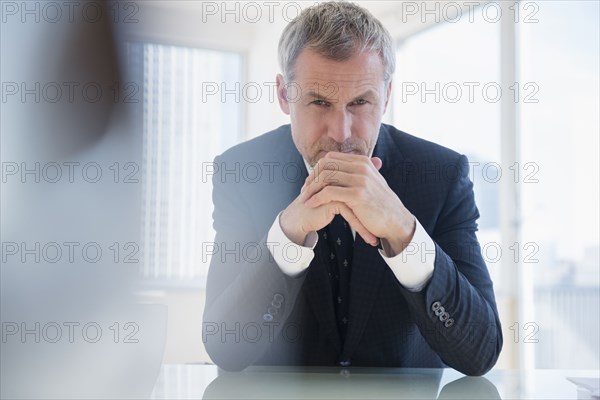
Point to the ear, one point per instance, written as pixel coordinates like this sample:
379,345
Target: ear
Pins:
388,94
282,95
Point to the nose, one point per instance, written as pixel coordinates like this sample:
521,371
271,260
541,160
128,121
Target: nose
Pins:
340,125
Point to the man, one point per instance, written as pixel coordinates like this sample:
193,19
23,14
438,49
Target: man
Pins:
353,243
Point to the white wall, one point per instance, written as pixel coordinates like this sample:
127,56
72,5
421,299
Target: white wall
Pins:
262,66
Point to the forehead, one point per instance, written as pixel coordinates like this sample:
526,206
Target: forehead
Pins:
361,71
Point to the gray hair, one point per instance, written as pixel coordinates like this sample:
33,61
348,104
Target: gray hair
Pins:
335,30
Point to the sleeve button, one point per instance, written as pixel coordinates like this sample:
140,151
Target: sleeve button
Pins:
268,317
276,304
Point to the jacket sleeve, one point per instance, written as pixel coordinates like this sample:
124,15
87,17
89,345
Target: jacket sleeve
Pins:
456,311
248,297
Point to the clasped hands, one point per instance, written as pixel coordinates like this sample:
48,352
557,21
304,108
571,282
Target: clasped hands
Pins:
350,185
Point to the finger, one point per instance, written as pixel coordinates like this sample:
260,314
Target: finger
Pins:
338,161
341,179
377,162
320,166
334,162
331,167
348,162
331,194
326,171
305,183
303,195
349,157
355,223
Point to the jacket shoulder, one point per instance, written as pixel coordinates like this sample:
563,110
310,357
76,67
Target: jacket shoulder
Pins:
417,149
260,148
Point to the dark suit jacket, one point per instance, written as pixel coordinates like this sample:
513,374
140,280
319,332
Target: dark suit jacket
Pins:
256,314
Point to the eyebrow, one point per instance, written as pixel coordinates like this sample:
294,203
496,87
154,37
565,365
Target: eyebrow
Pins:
319,96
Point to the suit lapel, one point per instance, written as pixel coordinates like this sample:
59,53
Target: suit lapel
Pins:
368,266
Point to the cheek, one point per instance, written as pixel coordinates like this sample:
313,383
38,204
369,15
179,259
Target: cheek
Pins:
307,128
366,132
366,128
302,132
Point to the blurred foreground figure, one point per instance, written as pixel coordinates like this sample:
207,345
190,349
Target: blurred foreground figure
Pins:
70,324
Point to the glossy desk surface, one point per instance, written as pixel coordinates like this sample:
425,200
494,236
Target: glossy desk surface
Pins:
209,382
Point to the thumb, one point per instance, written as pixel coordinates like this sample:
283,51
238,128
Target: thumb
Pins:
377,162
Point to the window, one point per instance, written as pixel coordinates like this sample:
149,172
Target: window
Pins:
445,91
555,170
561,208
185,125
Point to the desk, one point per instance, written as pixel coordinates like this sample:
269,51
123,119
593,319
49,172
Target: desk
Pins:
208,382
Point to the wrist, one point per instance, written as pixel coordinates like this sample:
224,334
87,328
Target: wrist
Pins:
291,230
401,236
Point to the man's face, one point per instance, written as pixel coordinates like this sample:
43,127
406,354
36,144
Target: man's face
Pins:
335,105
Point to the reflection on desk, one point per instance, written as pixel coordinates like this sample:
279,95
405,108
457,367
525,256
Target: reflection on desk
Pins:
209,382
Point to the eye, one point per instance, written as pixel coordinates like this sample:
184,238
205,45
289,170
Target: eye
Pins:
360,102
319,102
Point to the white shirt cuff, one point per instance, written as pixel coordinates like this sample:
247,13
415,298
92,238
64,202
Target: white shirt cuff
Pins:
413,267
291,258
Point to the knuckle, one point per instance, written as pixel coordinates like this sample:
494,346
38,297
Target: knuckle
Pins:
362,180
332,177
357,193
330,166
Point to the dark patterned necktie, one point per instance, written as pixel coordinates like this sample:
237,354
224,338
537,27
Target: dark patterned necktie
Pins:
341,247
